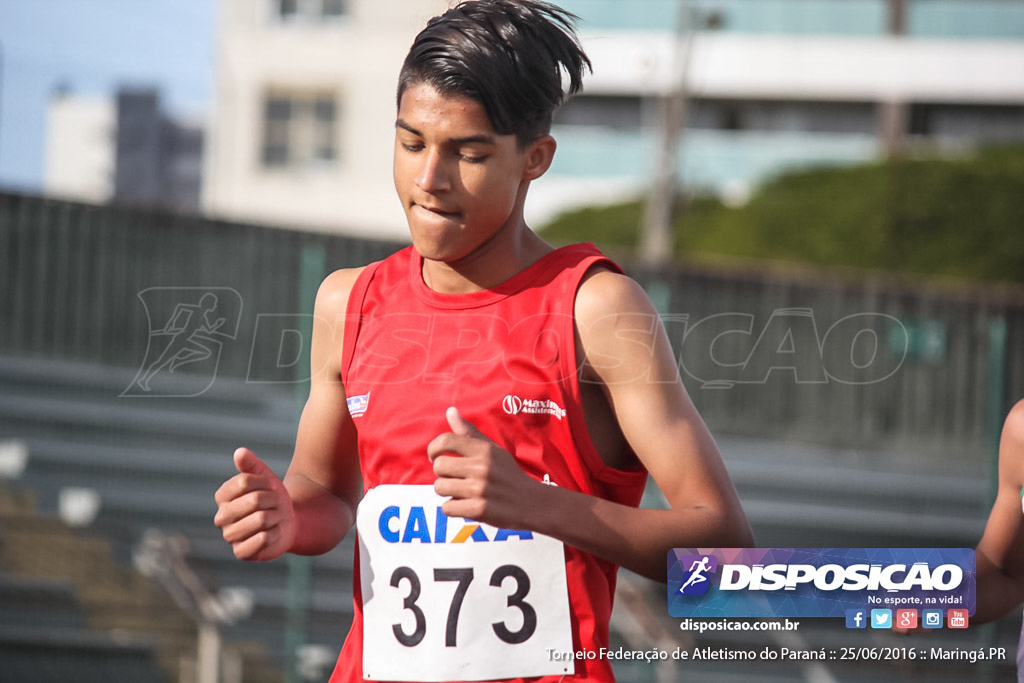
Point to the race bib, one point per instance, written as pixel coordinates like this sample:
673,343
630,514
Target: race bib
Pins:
451,599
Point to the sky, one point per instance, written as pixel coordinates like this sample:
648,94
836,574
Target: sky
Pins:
93,47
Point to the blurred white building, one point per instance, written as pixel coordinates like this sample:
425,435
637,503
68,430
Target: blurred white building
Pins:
777,84
303,120
79,155
122,148
302,129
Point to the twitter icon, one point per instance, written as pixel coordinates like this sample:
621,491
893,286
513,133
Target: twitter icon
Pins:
881,618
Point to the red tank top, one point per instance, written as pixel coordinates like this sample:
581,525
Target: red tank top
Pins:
506,358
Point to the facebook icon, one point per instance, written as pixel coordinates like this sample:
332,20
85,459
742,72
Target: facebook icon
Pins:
856,618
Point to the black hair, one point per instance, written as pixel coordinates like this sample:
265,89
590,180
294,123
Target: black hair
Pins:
508,55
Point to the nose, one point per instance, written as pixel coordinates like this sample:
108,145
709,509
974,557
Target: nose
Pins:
432,176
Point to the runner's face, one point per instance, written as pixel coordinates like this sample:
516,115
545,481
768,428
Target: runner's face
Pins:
459,181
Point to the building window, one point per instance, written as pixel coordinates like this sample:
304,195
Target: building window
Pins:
608,111
300,130
287,9
332,8
984,123
309,10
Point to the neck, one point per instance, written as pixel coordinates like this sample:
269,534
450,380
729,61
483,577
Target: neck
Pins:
508,252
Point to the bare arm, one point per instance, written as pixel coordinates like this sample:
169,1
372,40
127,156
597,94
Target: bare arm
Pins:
1000,552
629,354
314,507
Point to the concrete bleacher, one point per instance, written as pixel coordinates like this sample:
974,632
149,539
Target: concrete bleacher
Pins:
154,463
800,495
49,630
35,603
49,654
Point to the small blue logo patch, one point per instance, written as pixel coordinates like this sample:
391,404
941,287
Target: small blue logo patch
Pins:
357,405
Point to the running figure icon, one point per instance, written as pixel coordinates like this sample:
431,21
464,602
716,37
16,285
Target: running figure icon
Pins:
697,570
189,323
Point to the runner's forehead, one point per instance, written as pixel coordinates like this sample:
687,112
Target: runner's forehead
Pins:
426,113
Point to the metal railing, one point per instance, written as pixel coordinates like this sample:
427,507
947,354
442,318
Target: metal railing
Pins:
858,360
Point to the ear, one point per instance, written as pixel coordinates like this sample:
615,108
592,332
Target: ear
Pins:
539,155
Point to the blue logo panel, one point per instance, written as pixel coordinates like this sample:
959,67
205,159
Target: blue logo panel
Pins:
819,582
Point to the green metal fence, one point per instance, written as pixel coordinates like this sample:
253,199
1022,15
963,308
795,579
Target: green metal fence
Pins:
872,362
861,361
93,283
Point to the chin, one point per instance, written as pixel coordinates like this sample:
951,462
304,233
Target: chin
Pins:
431,248
434,243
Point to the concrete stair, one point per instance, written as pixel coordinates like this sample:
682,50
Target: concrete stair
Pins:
155,462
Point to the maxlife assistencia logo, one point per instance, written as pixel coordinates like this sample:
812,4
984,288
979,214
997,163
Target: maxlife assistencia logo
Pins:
515,405
423,524
817,582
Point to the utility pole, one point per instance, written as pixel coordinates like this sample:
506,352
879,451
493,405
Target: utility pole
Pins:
311,273
1,85
893,112
657,239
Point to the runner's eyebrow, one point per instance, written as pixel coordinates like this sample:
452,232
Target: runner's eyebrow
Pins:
482,138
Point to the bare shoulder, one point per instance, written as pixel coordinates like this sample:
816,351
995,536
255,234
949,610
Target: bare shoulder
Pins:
604,293
1011,445
1013,427
329,333
332,297
619,334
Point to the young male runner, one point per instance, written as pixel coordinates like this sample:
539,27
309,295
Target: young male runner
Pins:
1000,552
492,405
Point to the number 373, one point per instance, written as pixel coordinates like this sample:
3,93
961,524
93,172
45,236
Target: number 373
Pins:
463,577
